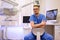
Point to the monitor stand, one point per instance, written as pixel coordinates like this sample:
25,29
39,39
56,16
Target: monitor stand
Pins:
58,18
51,21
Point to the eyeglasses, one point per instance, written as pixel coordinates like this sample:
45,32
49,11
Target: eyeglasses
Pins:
36,9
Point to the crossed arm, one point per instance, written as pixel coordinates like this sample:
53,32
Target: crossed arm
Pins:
40,25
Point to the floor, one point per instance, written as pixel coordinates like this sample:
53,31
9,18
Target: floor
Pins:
13,33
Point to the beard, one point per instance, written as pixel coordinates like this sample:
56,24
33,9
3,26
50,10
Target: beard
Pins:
36,13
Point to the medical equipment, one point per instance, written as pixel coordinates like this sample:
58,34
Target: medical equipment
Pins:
8,21
8,13
11,2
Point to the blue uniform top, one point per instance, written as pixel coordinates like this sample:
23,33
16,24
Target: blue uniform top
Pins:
38,19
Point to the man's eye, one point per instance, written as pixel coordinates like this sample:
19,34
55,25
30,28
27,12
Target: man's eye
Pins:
35,9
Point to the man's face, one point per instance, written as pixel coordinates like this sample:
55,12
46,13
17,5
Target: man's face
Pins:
36,10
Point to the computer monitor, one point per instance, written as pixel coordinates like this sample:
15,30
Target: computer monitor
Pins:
58,17
52,14
26,19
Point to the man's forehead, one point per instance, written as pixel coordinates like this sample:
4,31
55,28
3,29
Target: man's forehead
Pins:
35,7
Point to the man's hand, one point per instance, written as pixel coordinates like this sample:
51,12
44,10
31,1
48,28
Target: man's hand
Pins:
43,23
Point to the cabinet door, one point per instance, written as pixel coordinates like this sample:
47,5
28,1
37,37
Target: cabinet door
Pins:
57,32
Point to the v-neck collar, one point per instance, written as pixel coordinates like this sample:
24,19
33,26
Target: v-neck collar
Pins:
37,16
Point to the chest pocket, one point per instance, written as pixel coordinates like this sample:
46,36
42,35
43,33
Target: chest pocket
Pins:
35,21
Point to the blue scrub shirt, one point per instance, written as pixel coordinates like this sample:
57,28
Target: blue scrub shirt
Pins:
38,19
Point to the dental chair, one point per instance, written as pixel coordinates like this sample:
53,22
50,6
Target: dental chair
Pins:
38,32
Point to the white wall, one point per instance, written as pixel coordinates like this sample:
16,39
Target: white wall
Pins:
49,5
52,4
43,6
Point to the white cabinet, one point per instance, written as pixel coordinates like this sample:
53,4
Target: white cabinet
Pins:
57,32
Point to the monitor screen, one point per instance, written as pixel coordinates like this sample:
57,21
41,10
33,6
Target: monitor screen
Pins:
26,19
51,14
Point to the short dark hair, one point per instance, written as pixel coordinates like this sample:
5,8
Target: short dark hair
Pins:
36,6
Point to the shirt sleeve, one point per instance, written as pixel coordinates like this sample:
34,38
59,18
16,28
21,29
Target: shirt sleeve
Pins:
44,18
31,18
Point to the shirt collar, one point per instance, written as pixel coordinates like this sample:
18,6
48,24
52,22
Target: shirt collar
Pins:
35,15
